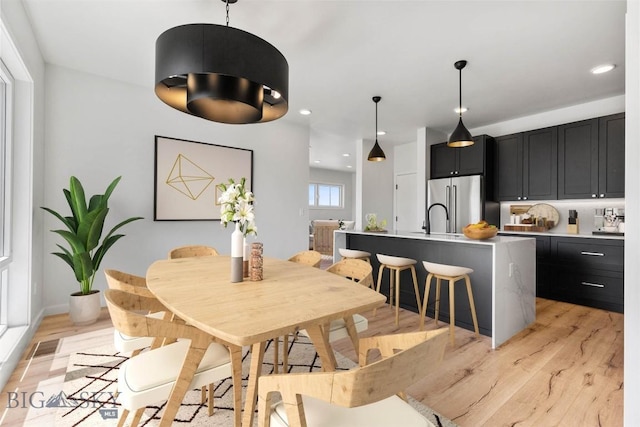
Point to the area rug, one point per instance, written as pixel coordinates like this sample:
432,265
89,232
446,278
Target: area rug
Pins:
87,397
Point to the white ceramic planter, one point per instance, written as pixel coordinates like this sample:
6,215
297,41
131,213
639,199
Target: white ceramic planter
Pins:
84,309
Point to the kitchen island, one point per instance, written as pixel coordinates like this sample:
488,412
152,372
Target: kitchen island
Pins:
503,280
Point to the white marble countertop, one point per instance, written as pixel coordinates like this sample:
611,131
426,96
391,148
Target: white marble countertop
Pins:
442,237
547,233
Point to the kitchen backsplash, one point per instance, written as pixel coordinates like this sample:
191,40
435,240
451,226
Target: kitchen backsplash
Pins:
586,211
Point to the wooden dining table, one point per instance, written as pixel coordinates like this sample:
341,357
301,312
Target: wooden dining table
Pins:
290,297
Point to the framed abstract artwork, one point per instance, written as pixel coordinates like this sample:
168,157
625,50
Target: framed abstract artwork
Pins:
187,174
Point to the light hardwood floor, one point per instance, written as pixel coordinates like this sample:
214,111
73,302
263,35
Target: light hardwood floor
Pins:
566,369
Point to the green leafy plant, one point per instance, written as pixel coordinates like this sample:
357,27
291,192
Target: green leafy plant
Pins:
84,232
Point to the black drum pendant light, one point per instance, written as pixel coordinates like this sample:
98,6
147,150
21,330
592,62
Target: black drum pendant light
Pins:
460,137
376,154
221,73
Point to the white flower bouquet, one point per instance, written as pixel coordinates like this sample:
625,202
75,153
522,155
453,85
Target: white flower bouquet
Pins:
236,205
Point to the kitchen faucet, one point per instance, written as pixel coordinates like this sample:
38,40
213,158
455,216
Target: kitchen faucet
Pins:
427,226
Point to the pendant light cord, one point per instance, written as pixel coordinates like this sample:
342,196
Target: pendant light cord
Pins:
460,92
376,122
228,16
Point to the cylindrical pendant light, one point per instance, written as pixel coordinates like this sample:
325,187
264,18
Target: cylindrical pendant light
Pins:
376,154
221,73
460,137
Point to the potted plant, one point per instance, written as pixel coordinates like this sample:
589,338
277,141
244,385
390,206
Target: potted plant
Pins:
87,247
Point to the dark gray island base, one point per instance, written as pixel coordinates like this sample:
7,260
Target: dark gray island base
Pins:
503,280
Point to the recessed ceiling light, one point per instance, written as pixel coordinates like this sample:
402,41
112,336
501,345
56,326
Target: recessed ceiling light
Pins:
381,132
602,68
316,161
459,110
349,166
305,112
346,155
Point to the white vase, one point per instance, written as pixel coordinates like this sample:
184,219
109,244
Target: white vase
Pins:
237,252
84,309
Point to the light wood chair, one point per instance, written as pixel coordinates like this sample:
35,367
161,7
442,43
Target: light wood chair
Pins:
364,396
150,377
323,235
360,272
134,344
190,251
138,286
311,258
451,273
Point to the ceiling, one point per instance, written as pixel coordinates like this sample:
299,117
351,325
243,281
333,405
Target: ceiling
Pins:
524,57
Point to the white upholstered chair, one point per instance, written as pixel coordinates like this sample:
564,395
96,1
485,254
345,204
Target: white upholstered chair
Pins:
365,396
150,376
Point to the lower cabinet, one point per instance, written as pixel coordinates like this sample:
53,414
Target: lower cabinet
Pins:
580,270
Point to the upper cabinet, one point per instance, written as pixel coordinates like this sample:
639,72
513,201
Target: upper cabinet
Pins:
472,160
611,159
527,165
591,158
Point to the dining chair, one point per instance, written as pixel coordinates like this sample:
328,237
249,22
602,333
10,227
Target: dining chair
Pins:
138,286
149,377
309,257
371,395
358,271
192,251
124,343
323,235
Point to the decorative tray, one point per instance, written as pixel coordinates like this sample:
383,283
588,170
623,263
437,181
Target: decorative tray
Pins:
545,211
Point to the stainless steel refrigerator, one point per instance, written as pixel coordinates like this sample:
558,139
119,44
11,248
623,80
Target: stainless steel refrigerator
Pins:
464,198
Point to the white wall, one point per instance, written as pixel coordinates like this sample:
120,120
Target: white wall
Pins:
377,185
632,224
98,129
330,176
19,51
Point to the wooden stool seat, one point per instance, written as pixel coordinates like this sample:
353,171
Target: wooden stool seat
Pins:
397,264
452,273
355,254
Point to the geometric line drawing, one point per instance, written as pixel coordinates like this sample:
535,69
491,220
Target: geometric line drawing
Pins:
188,178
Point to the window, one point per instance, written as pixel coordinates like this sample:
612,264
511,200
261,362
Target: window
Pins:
326,195
5,185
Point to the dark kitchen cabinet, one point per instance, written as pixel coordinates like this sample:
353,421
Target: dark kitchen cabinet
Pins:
578,160
473,160
587,272
580,270
611,150
591,158
527,165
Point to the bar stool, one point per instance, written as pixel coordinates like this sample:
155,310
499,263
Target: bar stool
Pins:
397,264
355,254
451,273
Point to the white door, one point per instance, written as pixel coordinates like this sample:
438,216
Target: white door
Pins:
406,218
